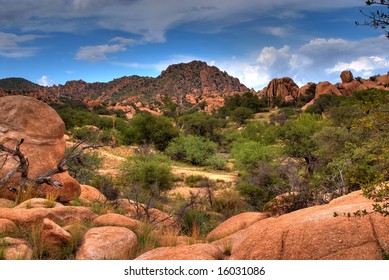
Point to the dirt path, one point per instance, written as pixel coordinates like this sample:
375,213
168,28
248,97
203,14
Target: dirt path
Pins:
114,157
188,171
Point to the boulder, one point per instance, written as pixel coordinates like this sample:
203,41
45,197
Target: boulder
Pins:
107,243
29,217
234,224
346,76
6,203
7,226
113,219
43,132
326,88
15,249
91,194
284,89
315,233
53,234
38,203
199,251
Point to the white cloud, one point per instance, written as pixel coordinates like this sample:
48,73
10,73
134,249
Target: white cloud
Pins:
45,81
270,55
98,53
150,19
11,45
362,65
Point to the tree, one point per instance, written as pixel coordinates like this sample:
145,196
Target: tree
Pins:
376,18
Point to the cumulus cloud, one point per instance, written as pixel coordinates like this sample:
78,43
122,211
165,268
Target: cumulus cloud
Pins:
98,53
362,65
45,81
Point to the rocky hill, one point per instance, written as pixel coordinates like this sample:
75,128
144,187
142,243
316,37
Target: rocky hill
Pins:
189,85
186,84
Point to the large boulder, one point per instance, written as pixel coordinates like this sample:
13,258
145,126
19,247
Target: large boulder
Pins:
235,223
107,243
316,233
113,219
43,130
63,215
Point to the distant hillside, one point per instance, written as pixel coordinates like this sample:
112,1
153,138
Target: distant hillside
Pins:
18,84
186,84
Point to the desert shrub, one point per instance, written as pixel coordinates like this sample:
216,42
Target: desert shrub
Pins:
229,203
149,129
241,115
144,178
201,124
192,149
216,162
196,222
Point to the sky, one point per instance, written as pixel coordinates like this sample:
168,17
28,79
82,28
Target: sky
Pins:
53,41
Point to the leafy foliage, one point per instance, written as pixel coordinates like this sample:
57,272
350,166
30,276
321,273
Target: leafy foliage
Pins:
192,149
148,129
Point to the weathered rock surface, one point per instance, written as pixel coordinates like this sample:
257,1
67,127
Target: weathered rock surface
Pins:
346,76
91,194
184,252
107,243
113,219
7,226
284,89
65,214
38,203
314,233
53,234
15,249
42,130
235,224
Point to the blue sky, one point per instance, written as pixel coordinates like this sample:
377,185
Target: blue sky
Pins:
54,41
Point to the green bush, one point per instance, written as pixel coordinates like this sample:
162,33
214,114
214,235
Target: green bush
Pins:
149,129
145,177
216,162
192,149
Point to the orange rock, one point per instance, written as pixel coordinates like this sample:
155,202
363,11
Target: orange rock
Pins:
184,252
65,214
107,243
91,194
53,234
234,224
7,226
15,249
38,203
113,219
314,233
43,132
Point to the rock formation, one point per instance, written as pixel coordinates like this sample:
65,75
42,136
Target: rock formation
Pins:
43,145
283,90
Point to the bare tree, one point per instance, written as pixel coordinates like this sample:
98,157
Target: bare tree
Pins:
376,18
23,165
